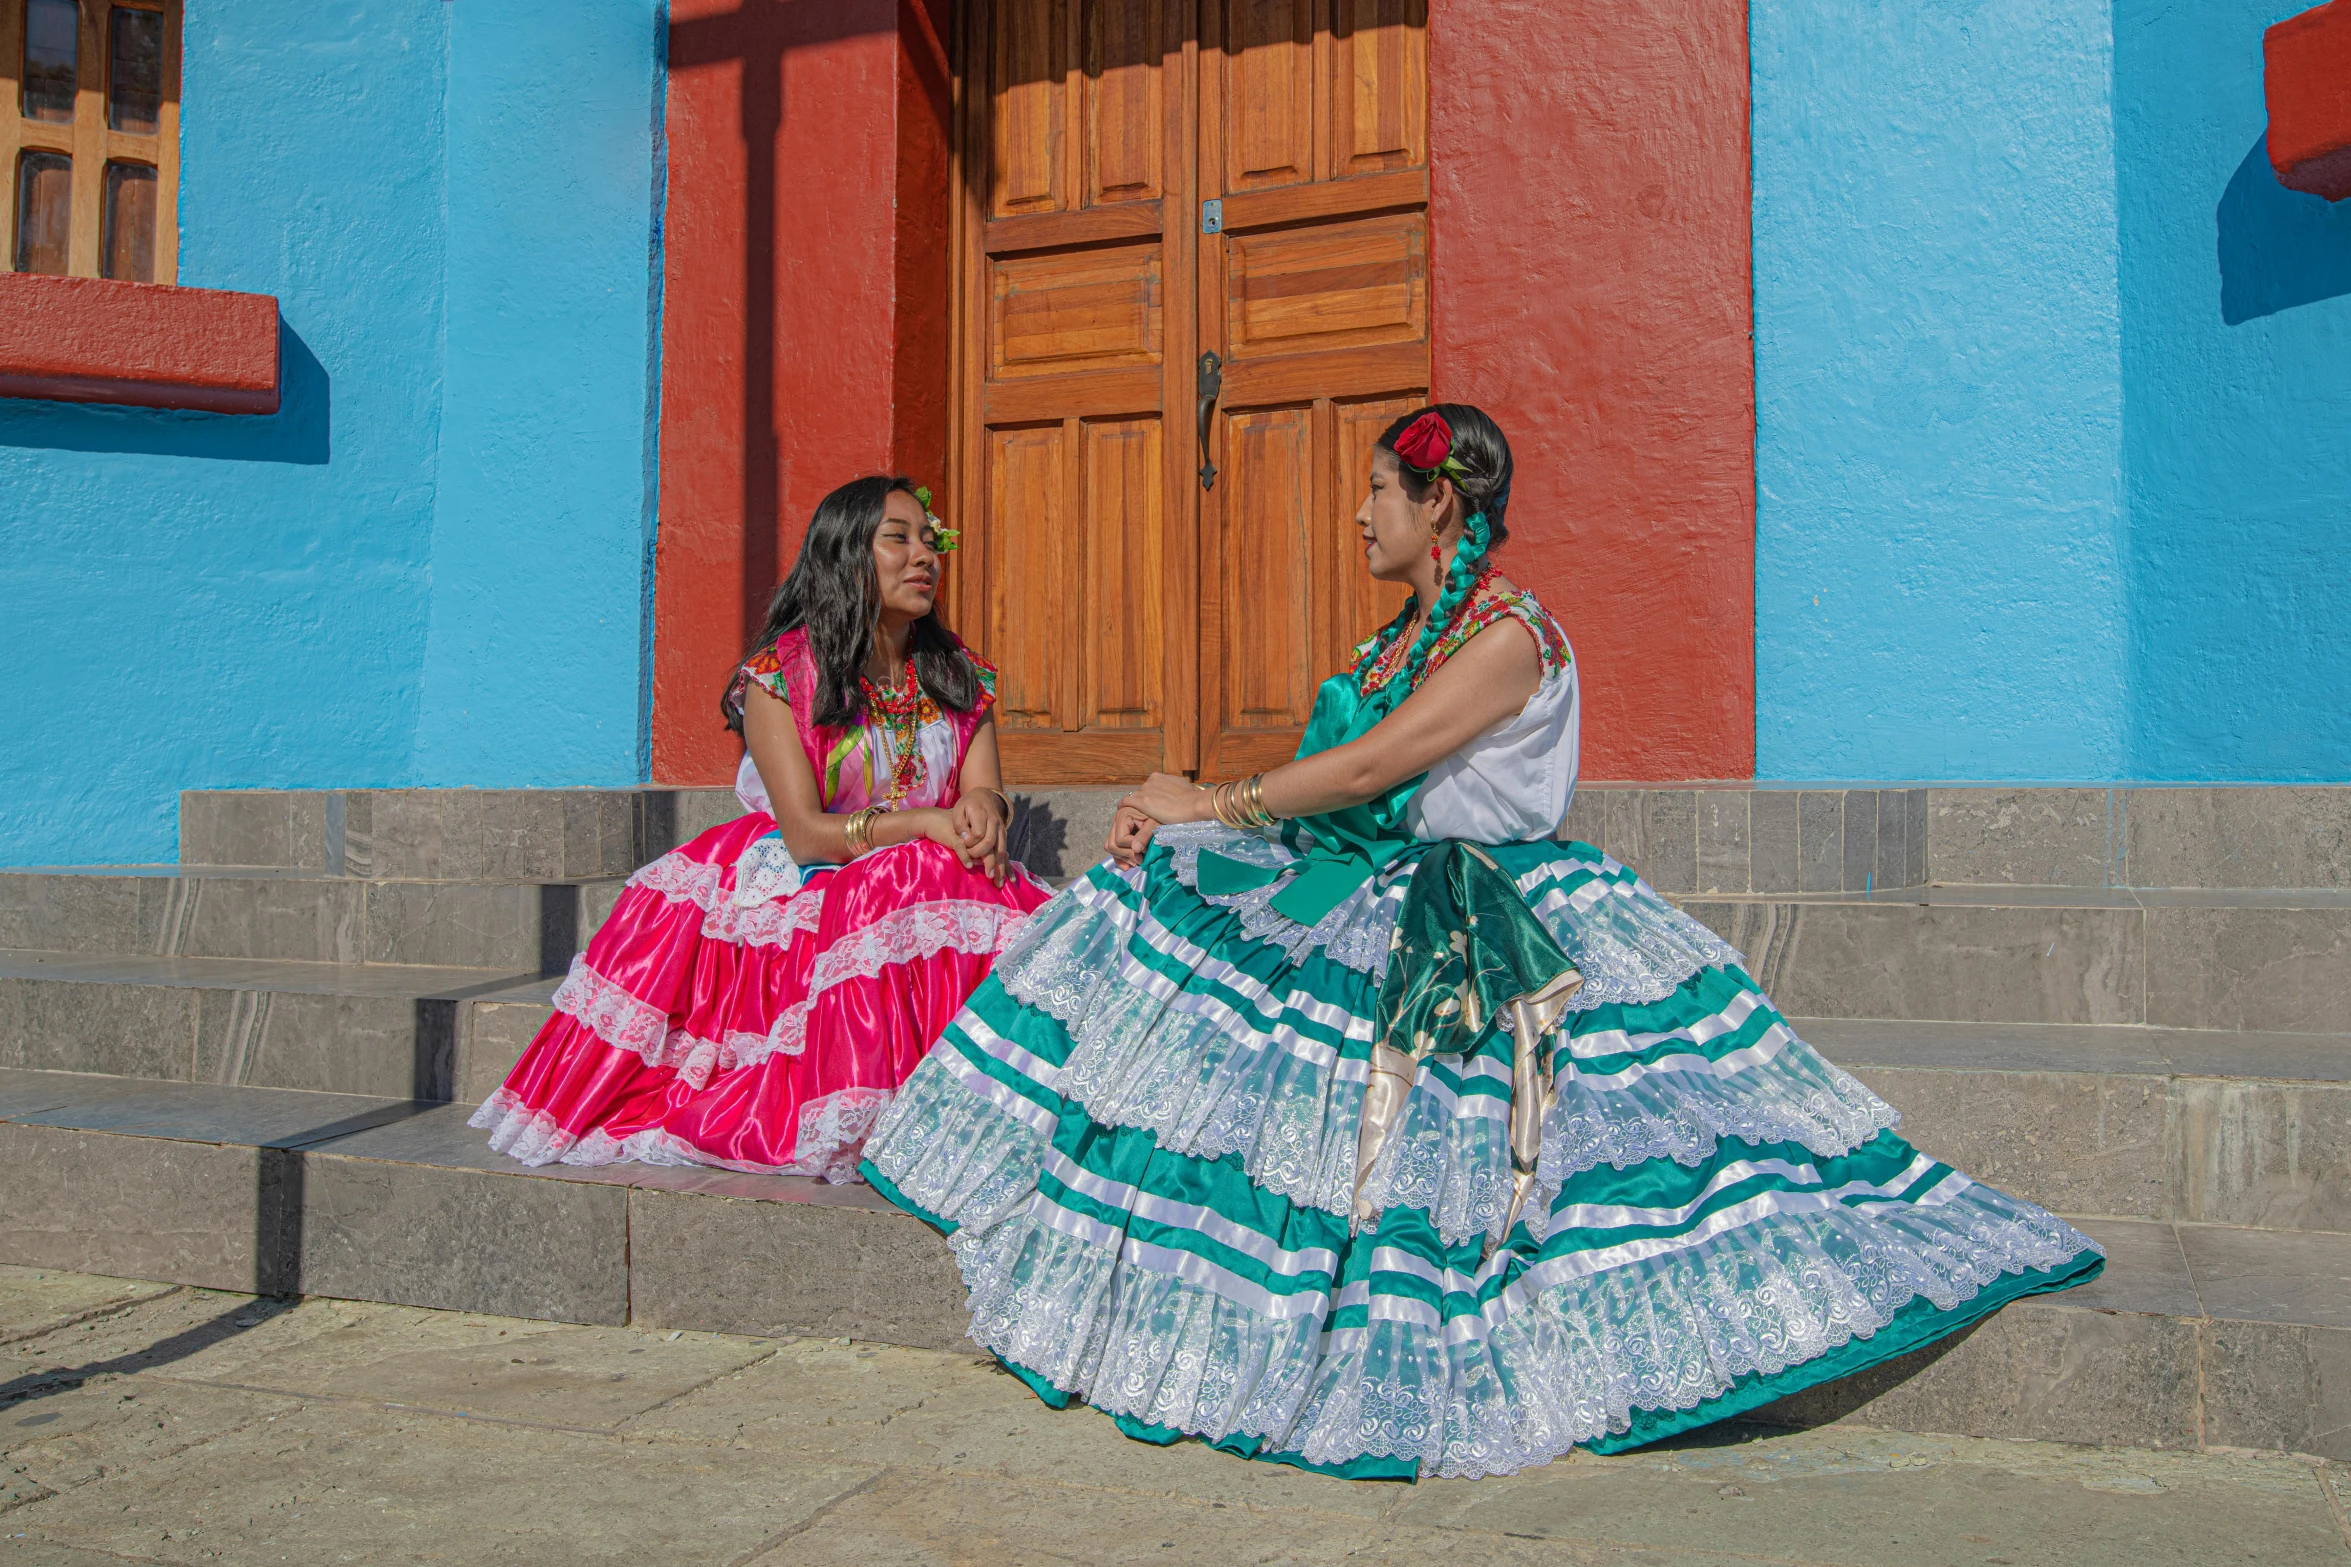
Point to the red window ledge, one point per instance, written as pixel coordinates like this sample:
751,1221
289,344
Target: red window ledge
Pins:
91,340
2307,73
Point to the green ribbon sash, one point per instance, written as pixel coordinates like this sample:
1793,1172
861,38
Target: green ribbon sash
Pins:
1466,947
1338,850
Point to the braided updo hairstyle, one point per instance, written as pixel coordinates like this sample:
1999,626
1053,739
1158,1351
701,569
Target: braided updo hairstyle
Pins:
1483,478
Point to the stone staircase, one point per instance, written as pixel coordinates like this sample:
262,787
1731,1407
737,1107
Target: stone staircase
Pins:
251,1071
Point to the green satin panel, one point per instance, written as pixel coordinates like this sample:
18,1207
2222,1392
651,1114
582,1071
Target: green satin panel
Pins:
1347,847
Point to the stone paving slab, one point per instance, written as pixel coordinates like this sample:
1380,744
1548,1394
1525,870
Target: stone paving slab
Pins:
196,1427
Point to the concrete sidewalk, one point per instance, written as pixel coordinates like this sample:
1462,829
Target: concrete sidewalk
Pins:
148,1423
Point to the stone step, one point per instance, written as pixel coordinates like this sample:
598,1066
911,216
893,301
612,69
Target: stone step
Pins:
1785,838
367,1198
2122,1120
389,1030
2206,1127
2263,960
1729,838
2198,1335
537,834
188,911
2253,959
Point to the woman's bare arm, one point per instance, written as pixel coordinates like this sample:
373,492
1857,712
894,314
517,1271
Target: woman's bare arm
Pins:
809,832
1484,683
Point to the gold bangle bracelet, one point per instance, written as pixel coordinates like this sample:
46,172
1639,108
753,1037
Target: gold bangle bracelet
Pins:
999,794
857,834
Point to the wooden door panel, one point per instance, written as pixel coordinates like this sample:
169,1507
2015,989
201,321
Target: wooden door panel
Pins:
1076,311
1332,285
1125,101
1262,575
1141,619
1121,640
1379,87
1316,293
1028,473
1030,64
1269,99
1076,304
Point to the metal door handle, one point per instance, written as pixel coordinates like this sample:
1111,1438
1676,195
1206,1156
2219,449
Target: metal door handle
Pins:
1211,387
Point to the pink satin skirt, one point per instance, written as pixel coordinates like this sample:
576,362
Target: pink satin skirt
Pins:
757,1035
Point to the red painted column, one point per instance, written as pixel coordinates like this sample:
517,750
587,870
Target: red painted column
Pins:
1591,243
804,312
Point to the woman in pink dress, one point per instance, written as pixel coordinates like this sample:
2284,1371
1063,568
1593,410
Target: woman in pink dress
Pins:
757,996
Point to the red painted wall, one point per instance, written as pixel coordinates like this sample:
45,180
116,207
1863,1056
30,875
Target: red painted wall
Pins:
804,311
1592,291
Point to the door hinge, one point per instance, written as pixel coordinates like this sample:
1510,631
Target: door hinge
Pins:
1212,216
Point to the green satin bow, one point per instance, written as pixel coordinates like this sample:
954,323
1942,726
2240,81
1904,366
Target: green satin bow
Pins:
1338,850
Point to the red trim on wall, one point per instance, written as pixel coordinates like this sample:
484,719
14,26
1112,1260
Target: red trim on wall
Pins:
2307,75
804,320
148,345
1592,261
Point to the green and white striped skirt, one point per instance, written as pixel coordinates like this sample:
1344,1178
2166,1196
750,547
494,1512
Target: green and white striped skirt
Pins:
1140,1137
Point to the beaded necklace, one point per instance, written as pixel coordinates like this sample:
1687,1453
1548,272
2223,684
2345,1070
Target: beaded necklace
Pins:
901,714
1389,661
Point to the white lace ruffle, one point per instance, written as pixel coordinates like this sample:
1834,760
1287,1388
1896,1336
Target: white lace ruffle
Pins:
681,879
951,1153
770,922
1449,1154
1631,946
528,1136
1134,1341
1517,1386
1203,1075
764,870
914,933
1778,1090
833,1130
609,1011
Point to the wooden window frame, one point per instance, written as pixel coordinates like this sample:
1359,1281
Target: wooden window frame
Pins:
89,141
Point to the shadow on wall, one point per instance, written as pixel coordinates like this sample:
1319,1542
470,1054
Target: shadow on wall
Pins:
2278,248
299,432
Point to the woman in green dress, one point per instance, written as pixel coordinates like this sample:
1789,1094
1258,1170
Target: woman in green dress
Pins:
1346,1118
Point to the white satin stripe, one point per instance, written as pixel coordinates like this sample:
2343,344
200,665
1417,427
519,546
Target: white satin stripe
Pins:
1583,1264
1184,1215
1616,1216
1775,1039
997,1095
1026,1062
1618,1041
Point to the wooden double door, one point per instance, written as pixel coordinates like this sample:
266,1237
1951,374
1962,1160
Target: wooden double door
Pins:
1160,548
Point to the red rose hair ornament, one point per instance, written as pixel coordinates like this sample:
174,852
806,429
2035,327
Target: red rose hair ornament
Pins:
1427,443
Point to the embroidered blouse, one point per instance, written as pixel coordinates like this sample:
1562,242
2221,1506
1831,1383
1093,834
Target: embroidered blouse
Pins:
853,764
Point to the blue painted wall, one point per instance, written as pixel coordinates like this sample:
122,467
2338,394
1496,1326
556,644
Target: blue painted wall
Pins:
429,567
2237,397
1940,559
2053,386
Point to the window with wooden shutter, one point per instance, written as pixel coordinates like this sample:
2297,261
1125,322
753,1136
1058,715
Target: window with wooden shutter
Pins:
89,137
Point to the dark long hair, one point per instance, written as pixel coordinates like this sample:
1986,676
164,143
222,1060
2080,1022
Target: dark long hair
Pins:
1484,455
833,594
1482,476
